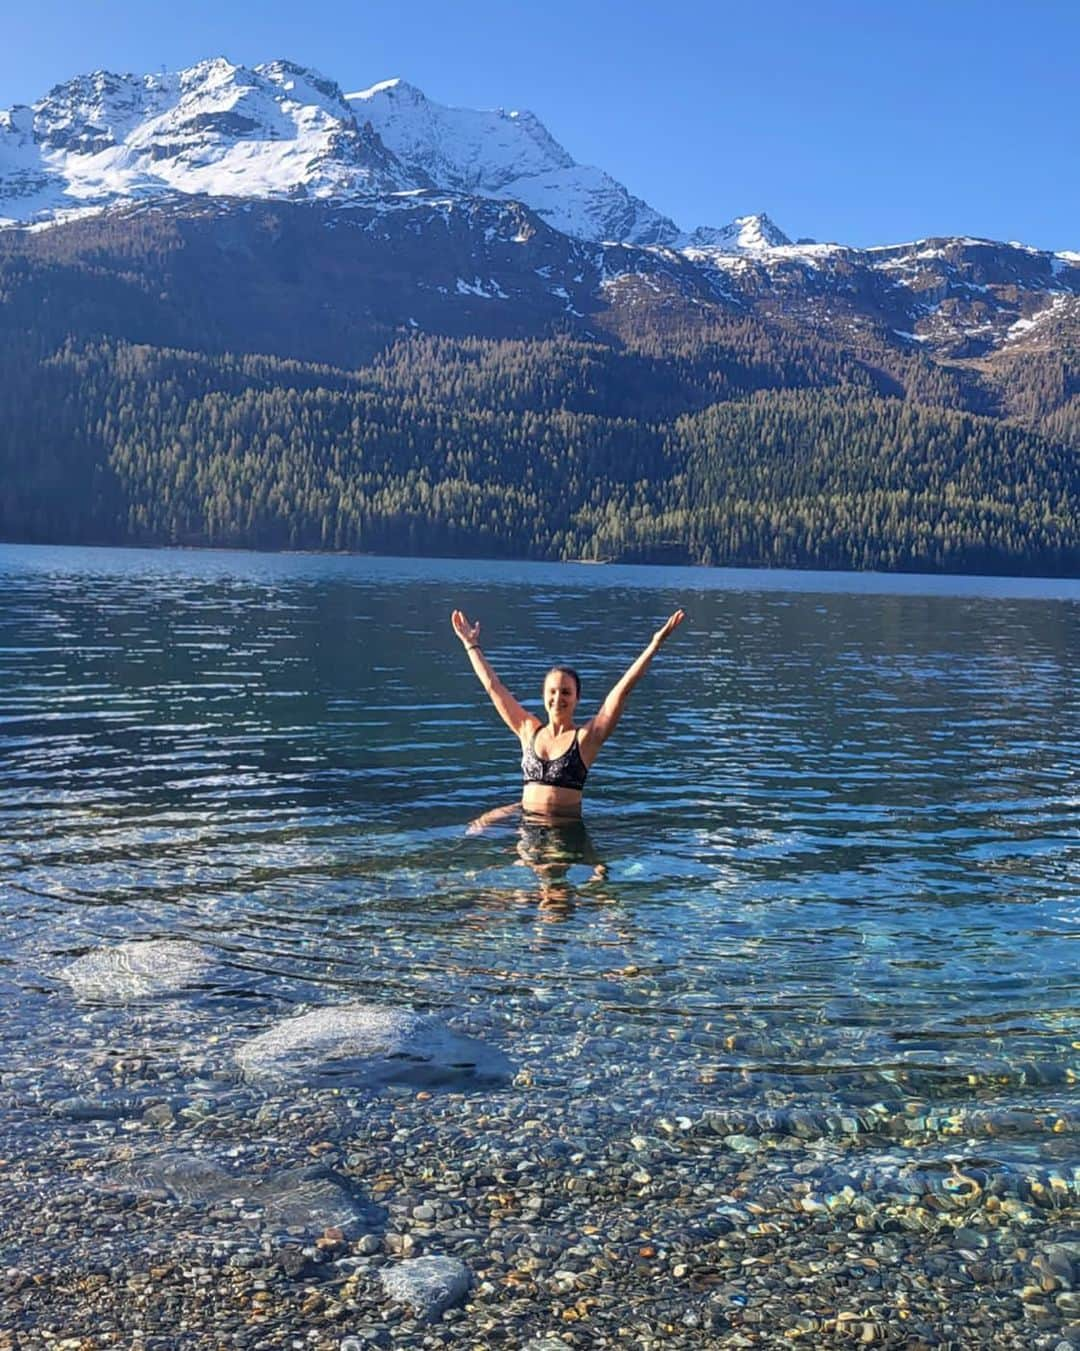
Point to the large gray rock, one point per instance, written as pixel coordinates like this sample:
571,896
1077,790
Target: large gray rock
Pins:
312,1199
369,1045
137,970
429,1285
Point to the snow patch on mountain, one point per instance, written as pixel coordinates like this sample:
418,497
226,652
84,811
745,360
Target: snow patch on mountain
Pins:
1022,327
489,290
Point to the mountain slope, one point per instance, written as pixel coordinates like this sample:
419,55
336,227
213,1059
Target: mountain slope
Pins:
507,155
327,281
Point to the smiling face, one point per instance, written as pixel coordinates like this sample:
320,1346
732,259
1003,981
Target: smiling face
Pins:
561,691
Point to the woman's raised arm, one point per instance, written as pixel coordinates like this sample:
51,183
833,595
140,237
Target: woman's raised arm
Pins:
601,727
508,708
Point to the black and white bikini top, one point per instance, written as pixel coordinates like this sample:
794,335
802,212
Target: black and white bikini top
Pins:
565,771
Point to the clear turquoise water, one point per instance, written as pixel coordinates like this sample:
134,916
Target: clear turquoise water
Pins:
831,860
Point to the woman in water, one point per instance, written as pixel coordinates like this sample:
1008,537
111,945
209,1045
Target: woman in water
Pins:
556,757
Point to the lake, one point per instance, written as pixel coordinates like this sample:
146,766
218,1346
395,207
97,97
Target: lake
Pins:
817,923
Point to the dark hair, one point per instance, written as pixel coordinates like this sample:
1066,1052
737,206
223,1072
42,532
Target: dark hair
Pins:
567,670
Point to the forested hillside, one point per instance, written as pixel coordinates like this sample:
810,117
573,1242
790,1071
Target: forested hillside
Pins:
198,383
538,449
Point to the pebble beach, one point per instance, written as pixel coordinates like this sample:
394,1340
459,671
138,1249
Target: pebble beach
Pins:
136,1215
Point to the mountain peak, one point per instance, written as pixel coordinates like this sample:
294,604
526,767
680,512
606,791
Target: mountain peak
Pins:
760,231
392,88
745,234
303,82
210,68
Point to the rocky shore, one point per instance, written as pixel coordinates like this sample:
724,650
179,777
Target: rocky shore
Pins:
363,1177
570,1229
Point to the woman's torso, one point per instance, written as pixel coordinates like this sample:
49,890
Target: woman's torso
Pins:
554,771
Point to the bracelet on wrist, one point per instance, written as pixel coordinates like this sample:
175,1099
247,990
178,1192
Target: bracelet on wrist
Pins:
472,647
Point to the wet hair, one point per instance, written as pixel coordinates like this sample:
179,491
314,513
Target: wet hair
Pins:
566,670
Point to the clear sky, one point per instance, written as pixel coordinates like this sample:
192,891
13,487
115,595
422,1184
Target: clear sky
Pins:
865,123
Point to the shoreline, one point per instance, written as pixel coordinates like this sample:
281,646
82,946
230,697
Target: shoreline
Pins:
607,573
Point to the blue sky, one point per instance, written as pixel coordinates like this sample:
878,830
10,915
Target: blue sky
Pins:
866,123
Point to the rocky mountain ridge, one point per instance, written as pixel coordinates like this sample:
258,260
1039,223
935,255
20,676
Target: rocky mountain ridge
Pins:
103,140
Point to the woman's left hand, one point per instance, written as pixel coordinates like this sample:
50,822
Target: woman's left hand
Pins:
663,634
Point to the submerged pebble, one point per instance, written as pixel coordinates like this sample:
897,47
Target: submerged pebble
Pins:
429,1285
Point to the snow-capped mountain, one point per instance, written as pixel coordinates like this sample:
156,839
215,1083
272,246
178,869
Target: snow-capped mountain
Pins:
507,155
465,213
280,130
217,128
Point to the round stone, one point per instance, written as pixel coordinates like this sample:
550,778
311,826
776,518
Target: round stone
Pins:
428,1285
369,1044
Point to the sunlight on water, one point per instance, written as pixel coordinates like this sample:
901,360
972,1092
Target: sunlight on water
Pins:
827,883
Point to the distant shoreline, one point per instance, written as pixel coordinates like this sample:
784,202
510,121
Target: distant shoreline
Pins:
696,576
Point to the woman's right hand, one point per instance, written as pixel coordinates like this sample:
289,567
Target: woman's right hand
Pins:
467,632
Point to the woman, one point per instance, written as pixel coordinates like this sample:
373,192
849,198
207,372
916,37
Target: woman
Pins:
556,758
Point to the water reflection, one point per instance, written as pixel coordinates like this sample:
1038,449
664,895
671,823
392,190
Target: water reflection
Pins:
553,848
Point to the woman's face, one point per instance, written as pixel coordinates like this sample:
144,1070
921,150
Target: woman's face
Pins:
560,695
